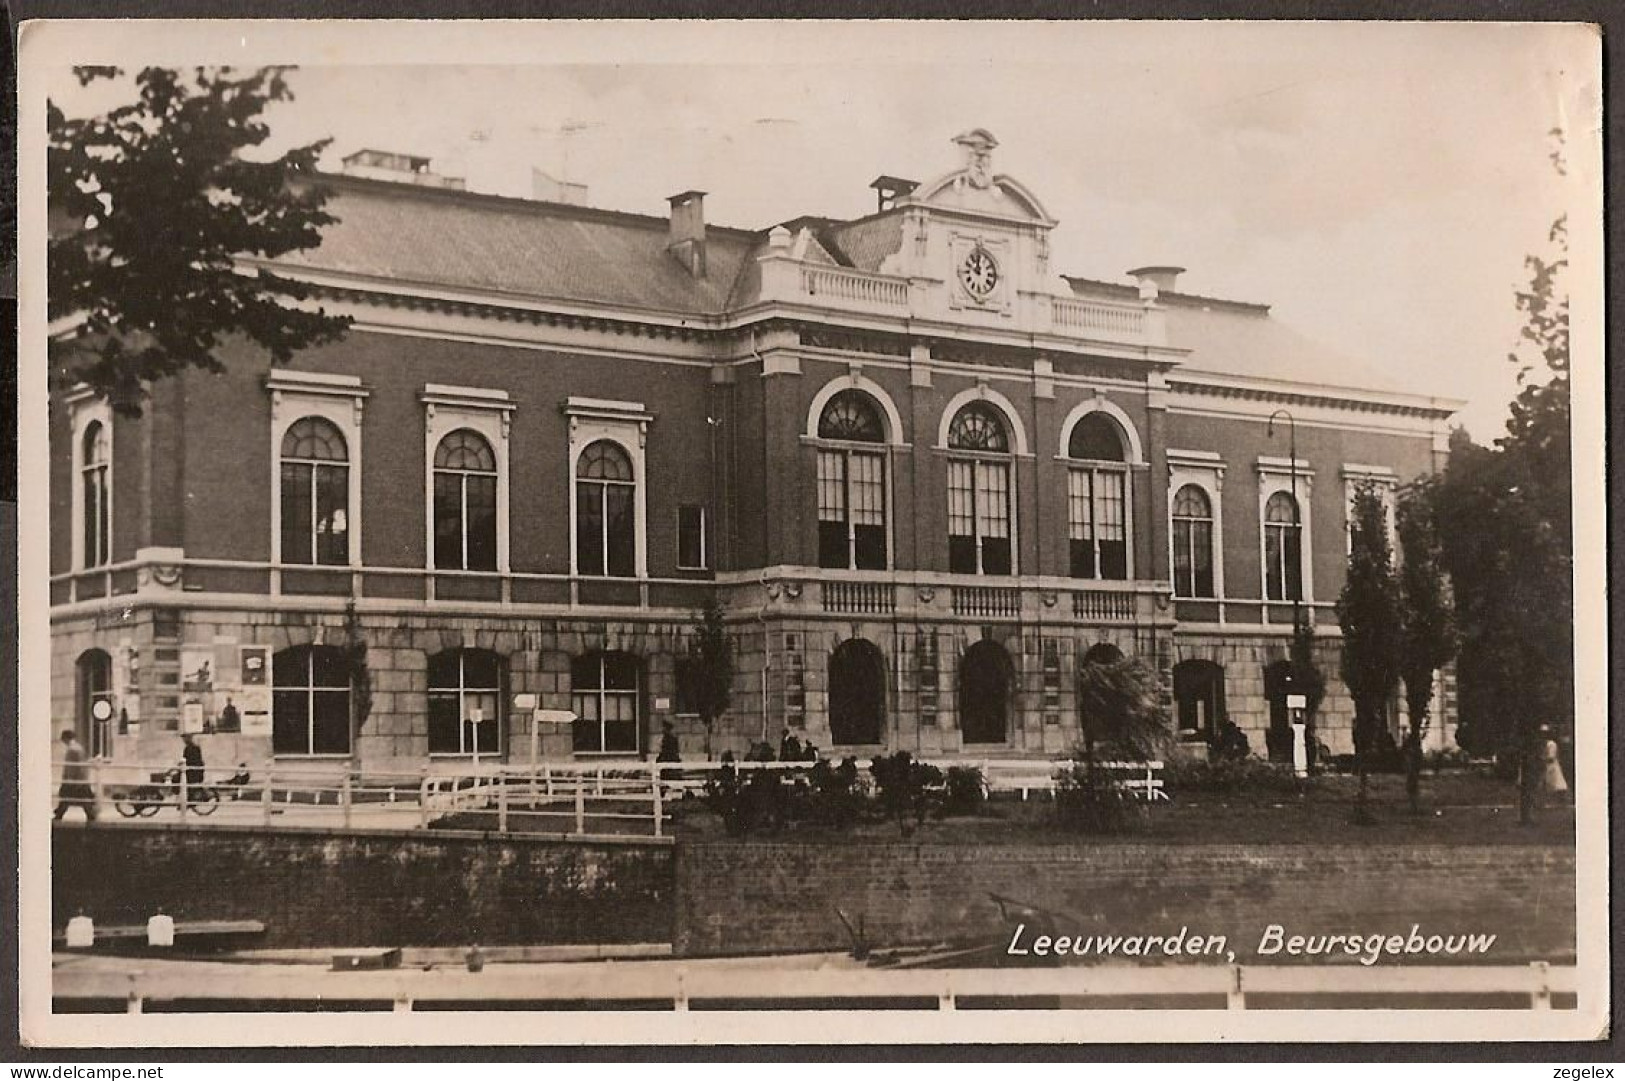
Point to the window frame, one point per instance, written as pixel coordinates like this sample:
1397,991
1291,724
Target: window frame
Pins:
1282,532
980,465
704,539
310,690
316,468
600,487
86,410
1276,475
627,424
462,691
340,400
463,477
1176,520
635,695
489,414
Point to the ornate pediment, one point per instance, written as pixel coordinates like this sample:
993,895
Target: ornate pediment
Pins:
974,188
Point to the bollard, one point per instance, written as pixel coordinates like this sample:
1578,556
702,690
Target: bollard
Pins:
81,932
160,930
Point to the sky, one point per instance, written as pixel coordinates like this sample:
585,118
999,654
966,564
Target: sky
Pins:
1379,185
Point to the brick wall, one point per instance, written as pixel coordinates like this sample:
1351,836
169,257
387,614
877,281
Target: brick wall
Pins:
333,889
755,897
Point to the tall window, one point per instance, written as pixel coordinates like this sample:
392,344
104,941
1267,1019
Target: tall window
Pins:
1097,499
465,503
852,485
315,494
465,702
98,525
1193,543
604,691
1283,549
310,701
606,515
979,492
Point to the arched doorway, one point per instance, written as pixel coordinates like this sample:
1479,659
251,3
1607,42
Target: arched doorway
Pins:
985,681
857,693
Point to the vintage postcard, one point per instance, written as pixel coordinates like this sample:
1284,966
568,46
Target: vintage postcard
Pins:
598,532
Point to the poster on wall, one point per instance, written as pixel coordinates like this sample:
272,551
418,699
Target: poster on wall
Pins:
252,698
197,687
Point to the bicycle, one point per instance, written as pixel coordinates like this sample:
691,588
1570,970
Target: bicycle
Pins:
145,800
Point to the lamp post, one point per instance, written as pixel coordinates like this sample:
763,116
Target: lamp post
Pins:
1295,701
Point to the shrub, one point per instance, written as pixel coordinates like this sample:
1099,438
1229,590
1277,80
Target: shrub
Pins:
1231,744
1089,800
1228,776
759,800
907,789
832,796
966,791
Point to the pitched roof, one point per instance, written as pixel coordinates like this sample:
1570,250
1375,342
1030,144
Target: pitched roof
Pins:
1236,338
411,234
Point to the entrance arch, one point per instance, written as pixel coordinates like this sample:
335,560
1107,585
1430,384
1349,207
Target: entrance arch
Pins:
857,693
986,678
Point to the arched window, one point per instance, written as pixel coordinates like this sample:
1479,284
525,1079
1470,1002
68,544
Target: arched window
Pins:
979,483
1193,542
605,691
94,670
465,702
852,484
465,503
1283,549
97,521
857,693
1198,698
310,701
315,482
1097,503
606,514
986,678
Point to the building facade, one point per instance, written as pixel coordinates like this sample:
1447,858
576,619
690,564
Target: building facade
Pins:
925,476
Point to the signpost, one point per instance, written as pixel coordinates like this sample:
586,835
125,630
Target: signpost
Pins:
1296,704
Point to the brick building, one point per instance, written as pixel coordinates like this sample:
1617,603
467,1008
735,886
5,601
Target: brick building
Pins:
925,475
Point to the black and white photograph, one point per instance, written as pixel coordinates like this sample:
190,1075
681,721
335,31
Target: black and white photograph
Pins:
559,533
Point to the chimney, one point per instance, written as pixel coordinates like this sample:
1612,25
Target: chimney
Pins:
687,239
1161,277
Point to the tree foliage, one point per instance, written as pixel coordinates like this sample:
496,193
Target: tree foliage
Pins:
711,668
153,205
1368,610
1429,640
1120,709
1509,546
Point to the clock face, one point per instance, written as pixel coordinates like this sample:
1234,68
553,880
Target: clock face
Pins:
979,273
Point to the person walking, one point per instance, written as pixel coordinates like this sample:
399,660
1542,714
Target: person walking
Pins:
192,757
75,790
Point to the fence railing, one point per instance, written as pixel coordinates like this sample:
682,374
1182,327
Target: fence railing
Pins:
544,798
718,985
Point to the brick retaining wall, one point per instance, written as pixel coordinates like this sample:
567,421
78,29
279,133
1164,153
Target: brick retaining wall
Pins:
322,888
751,897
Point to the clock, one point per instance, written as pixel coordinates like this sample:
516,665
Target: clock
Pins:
979,273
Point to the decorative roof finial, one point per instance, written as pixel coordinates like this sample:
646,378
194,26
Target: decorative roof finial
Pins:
977,147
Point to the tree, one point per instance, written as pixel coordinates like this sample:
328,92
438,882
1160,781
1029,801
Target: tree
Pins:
710,669
1506,537
355,660
1369,613
1120,707
1429,640
158,204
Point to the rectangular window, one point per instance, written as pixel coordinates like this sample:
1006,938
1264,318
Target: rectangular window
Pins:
868,511
691,538
296,512
851,510
482,523
589,530
1097,513
448,519
604,695
620,538
332,518
1193,558
993,516
1080,523
1283,559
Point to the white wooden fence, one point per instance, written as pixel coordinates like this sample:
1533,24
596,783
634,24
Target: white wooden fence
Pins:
720,985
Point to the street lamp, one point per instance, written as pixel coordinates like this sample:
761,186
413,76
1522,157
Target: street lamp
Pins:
1296,703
